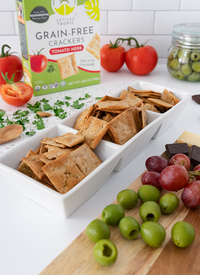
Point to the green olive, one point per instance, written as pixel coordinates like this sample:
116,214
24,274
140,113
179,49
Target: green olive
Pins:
186,69
175,64
174,53
127,198
152,233
150,211
148,193
97,230
112,214
195,56
196,67
193,77
168,203
180,75
183,56
129,227
183,234
105,252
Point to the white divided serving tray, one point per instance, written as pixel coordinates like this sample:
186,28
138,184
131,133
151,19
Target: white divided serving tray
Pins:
114,157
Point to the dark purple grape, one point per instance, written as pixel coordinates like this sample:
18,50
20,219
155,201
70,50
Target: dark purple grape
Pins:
156,163
151,178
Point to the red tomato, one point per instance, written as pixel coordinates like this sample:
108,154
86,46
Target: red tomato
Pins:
38,62
142,60
16,94
10,64
112,58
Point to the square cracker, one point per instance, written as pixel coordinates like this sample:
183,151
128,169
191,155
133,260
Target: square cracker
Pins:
144,116
67,66
93,131
24,168
110,105
130,98
55,152
122,128
159,102
35,164
85,159
63,173
83,117
169,97
70,139
50,141
94,46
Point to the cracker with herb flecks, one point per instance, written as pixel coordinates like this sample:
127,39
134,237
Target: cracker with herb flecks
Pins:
121,128
130,98
150,107
83,117
63,173
144,116
24,168
159,102
112,106
46,183
70,139
50,141
85,159
93,131
136,118
55,152
35,164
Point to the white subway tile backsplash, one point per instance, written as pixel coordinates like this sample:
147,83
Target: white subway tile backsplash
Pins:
8,5
155,5
12,41
130,22
190,5
16,23
103,20
142,19
6,23
164,21
115,4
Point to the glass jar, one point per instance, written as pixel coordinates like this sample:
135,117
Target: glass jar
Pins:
184,59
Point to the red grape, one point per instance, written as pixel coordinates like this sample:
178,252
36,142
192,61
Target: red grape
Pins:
174,178
180,159
156,163
191,194
197,168
151,178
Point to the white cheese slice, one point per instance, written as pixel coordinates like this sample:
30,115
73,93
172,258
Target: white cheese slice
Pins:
189,138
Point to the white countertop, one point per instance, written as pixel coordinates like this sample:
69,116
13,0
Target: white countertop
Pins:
31,237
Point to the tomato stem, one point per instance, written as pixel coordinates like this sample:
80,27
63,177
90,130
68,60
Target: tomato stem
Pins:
9,81
3,53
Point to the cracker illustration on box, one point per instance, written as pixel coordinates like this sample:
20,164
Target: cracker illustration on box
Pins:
67,66
94,46
64,34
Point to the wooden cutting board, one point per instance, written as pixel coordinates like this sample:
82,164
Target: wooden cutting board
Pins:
134,256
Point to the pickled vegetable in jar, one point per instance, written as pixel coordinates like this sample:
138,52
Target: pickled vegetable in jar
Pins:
184,59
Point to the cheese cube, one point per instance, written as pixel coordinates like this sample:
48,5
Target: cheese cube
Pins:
189,138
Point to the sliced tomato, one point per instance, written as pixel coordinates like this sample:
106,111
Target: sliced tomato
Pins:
16,94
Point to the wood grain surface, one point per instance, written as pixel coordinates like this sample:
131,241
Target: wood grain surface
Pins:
135,256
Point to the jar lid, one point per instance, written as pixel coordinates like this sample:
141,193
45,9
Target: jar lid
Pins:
186,36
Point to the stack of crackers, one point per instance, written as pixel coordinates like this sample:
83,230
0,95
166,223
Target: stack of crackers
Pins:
119,119
63,161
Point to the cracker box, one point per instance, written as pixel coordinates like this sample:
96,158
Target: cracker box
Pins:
60,43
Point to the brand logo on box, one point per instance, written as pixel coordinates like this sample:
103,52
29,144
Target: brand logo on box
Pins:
63,7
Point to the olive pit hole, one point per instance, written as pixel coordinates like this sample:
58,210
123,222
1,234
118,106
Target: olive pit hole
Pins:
107,251
150,217
133,233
